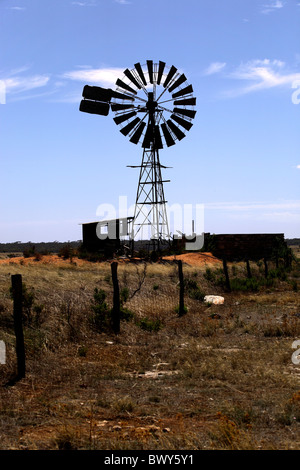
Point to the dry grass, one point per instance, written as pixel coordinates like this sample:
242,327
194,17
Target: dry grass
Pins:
220,377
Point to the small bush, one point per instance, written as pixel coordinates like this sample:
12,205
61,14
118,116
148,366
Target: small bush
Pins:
193,290
66,252
126,314
124,295
101,317
149,325
29,252
244,284
185,309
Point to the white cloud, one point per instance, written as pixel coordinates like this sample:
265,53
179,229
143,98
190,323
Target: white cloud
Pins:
214,67
298,167
123,2
84,4
262,74
272,6
16,8
20,84
101,76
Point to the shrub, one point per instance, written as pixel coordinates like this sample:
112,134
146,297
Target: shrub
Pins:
185,309
124,295
66,252
29,307
244,284
209,275
193,290
29,252
101,317
149,325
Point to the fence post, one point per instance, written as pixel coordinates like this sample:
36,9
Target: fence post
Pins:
116,299
249,274
266,267
16,281
181,291
226,275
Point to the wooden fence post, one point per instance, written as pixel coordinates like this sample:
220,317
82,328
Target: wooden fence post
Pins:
116,299
16,281
266,267
181,291
249,274
226,275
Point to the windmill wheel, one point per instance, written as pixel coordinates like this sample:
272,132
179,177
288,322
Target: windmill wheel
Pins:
145,112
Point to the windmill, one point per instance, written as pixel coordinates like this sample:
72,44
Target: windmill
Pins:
153,105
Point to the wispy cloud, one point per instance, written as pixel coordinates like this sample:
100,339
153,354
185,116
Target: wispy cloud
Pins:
123,2
17,83
214,67
272,6
16,8
298,167
99,76
21,84
261,75
85,4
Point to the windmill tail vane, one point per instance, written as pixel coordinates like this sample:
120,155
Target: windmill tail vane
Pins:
153,106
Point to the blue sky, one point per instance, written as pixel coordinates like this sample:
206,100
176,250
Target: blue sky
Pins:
241,158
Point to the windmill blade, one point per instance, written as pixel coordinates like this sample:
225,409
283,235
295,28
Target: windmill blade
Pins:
121,107
167,135
121,84
161,67
150,70
186,102
185,124
140,72
177,83
131,125
121,96
170,75
137,134
177,132
157,138
123,117
148,137
96,93
185,91
94,107
129,75
185,112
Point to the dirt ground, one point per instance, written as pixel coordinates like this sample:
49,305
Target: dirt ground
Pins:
219,377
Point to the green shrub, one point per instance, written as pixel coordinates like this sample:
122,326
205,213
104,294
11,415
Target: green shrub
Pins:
193,290
185,309
149,325
244,284
101,316
124,295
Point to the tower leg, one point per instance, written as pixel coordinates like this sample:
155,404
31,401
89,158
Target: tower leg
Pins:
150,206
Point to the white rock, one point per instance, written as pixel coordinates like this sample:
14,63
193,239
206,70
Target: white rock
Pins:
214,299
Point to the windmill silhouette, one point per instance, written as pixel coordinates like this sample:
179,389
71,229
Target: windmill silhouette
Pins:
153,106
